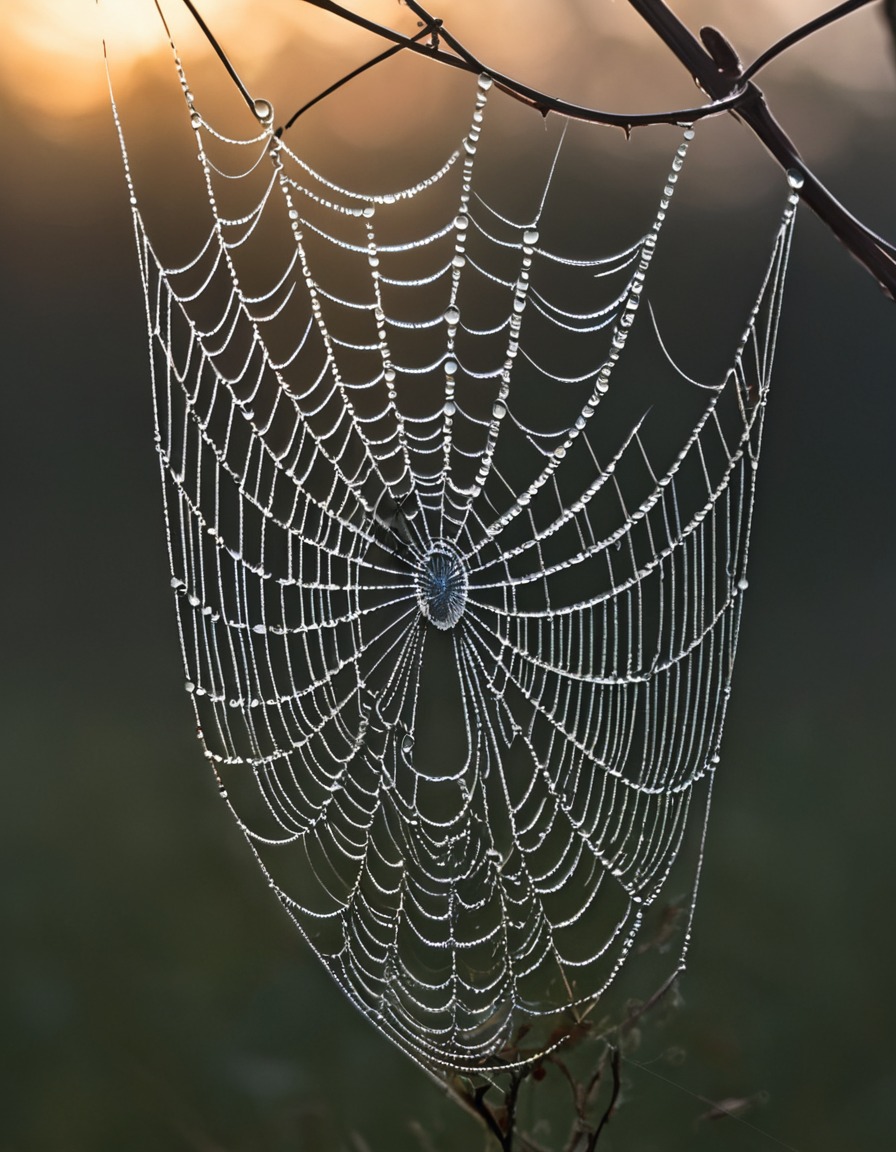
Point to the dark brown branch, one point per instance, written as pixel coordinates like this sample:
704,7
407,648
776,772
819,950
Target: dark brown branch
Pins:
396,48
463,60
873,253
218,50
795,37
728,93
605,1119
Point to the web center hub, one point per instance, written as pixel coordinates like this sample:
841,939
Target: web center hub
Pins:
442,585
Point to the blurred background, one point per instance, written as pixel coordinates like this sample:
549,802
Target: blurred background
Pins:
154,995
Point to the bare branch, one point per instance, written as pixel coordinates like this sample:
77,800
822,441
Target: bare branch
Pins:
463,60
605,1119
729,91
218,50
876,255
801,33
396,48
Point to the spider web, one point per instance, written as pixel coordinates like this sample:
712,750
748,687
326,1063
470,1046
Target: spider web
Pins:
459,648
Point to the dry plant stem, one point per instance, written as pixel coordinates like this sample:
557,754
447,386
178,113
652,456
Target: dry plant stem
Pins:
802,33
219,51
736,94
605,1119
874,253
465,61
428,31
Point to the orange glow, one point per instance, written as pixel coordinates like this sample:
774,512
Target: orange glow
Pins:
51,58
51,51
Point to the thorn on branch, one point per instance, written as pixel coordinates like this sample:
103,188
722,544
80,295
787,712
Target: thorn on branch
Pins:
713,63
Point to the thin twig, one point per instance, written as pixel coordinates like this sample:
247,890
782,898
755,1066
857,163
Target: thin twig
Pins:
488,1117
876,255
218,50
799,34
394,50
460,58
737,94
605,1119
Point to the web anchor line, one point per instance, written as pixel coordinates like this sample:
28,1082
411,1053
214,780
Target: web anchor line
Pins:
460,659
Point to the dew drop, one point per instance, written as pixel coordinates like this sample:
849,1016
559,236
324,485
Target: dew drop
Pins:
452,316
743,584
530,237
461,221
795,178
499,410
485,82
264,110
450,367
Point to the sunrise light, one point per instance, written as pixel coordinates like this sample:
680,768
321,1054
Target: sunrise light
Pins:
51,62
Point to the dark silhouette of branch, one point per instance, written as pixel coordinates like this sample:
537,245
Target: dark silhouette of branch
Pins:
459,57
428,31
714,66
605,1119
728,88
802,33
219,51
873,253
